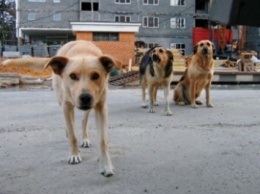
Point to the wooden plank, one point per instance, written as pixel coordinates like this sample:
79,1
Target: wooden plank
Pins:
9,79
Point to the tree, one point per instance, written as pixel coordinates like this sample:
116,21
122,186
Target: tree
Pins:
7,24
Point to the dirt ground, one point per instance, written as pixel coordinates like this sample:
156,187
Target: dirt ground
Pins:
198,151
24,71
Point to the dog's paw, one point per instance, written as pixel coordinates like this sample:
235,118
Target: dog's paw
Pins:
181,103
85,143
144,105
152,110
194,106
155,104
169,113
105,167
210,105
74,159
198,102
107,171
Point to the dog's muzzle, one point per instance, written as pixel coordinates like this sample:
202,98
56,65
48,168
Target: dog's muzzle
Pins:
85,101
205,51
156,58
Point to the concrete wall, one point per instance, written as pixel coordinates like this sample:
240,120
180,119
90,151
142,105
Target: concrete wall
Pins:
108,9
68,9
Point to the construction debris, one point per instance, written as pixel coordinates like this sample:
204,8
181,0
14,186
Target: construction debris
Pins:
124,78
246,62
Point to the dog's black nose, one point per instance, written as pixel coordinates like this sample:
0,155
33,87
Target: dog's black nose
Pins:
204,51
156,58
85,101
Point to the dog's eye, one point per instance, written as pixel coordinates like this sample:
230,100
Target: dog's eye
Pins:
95,76
74,77
208,44
160,50
201,44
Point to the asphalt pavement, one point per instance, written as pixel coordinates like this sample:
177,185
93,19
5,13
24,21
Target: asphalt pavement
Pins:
198,151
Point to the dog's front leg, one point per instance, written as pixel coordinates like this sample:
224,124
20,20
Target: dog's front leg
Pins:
155,95
167,97
193,93
106,167
151,98
68,111
86,141
208,96
143,86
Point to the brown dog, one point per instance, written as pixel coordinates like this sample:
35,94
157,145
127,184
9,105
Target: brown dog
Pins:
156,69
198,76
80,79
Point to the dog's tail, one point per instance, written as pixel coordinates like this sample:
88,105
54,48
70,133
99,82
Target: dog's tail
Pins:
35,63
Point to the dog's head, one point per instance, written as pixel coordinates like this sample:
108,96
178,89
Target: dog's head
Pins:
160,55
204,47
84,78
163,59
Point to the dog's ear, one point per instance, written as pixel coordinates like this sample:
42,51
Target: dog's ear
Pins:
109,62
57,64
195,48
213,47
170,54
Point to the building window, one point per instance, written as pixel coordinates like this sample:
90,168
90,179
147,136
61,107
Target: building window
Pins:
151,2
56,1
38,1
122,18
56,17
150,22
123,1
178,23
31,16
105,36
177,2
150,45
88,6
178,46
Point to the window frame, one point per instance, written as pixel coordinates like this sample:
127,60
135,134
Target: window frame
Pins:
146,2
177,24
94,6
125,2
125,18
105,36
147,18
173,45
178,2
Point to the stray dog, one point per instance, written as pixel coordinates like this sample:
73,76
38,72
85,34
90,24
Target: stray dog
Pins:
156,69
80,79
198,76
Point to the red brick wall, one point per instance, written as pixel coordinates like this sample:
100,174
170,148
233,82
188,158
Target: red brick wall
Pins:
123,49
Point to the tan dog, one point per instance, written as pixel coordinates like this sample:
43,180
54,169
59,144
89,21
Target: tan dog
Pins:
80,79
156,69
198,76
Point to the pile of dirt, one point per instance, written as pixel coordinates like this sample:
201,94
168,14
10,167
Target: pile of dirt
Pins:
24,71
